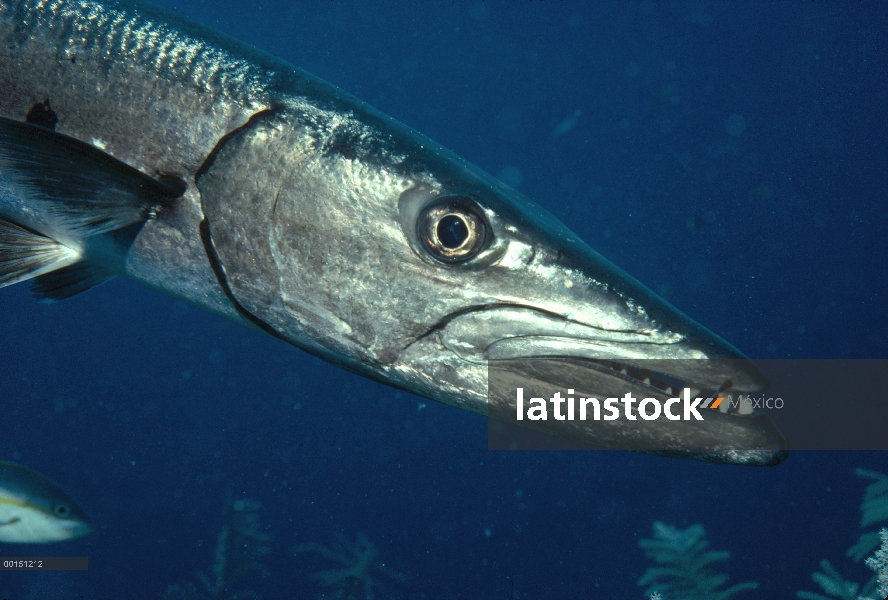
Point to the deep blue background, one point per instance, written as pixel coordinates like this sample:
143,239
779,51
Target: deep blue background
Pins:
149,411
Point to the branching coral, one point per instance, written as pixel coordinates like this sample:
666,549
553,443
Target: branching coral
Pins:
832,583
879,563
873,511
686,572
239,550
360,568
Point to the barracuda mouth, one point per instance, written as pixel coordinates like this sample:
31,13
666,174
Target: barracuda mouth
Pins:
479,357
544,354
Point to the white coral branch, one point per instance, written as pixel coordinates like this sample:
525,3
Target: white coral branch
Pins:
879,563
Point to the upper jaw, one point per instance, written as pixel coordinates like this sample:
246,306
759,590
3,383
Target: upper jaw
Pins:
661,359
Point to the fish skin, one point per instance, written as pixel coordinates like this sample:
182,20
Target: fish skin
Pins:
299,208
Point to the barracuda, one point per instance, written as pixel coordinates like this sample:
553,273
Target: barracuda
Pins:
135,142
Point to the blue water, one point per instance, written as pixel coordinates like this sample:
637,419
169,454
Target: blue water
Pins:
731,156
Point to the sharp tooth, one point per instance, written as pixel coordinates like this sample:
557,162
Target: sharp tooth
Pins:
694,392
647,380
725,406
669,391
745,407
624,370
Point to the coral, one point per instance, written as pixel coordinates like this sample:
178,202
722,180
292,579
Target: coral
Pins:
874,511
685,573
239,550
360,568
879,563
832,583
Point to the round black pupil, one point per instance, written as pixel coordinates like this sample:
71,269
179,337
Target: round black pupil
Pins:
61,510
452,231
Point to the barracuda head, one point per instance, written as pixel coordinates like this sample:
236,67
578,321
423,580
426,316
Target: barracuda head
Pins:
363,242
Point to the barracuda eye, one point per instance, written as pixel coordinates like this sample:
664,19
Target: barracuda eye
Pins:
451,229
63,511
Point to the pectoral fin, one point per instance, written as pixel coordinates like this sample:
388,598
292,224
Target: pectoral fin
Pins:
57,192
87,190
25,254
69,281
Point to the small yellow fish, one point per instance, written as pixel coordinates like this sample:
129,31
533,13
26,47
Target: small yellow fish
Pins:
34,510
